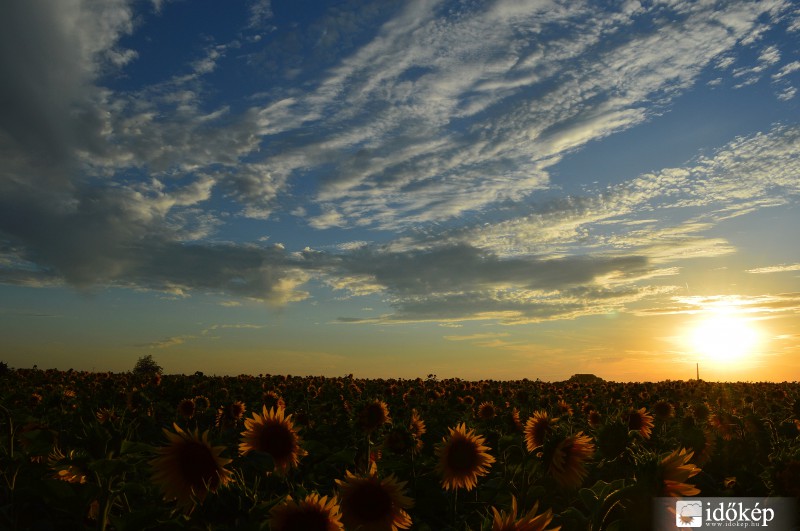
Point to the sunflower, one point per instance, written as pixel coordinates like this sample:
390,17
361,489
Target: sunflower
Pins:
272,432
514,422
186,408
313,513
417,428
272,399
374,415
463,457
594,418
639,420
369,503
566,459
530,521
487,411
189,467
105,414
700,412
202,402
65,468
35,399
701,441
537,428
663,410
228,416
399,440
675,470
724,424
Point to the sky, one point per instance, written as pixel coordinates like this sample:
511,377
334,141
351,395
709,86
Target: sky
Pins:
473,189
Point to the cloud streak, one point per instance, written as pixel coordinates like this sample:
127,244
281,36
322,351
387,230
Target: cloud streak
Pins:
437,130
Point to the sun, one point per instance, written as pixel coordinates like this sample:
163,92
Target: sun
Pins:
724,336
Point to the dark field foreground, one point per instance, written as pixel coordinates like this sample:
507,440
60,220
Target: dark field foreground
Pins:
144,451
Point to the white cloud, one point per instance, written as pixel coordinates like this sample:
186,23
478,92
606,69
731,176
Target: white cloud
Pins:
388,116
775,269
474,337
260,12
787,69
430,115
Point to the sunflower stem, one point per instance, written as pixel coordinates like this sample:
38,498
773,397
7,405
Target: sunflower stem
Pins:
608,505
368,463
524,493
455,506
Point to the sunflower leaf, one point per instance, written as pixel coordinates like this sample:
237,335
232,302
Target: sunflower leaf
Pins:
588,498
133,447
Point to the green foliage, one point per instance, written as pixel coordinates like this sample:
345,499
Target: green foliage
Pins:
77,449
146,365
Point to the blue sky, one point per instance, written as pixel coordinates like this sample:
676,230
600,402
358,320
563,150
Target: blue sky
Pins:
474,189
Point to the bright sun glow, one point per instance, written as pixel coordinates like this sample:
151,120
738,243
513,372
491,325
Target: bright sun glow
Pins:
724,337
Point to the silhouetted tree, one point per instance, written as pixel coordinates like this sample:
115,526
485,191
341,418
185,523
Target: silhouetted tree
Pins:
147,365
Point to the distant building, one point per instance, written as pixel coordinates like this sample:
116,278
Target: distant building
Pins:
585,378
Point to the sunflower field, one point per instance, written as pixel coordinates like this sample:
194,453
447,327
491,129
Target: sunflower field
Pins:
137,451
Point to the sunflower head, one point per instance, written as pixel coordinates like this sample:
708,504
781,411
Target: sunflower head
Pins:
186,408
105,414
463,457
538,427
594,418
529,521
399,440
313,513
663,410
514,422
202,402
66,467
700,412
369,503
272,399
272,432
188,468
487,410
641,422
228,415
417,428
725,424
565,458
374,415
674,470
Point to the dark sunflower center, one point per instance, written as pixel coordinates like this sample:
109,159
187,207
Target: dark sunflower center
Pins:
462,456
635,421
566,449
197,464
373,416
277,440
309,519
186,408
539,432
369,502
